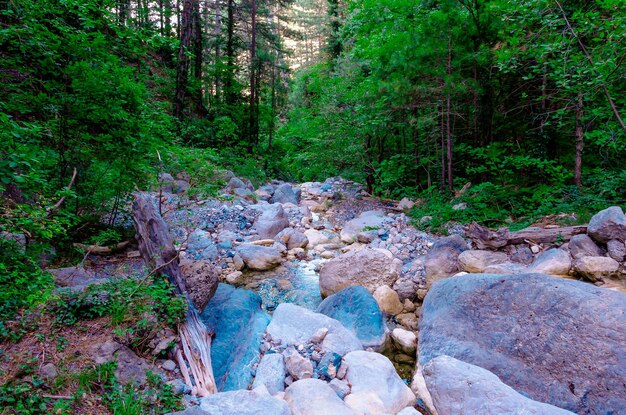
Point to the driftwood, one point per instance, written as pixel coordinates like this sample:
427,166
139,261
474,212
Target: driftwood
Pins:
102,250
157,249
485,238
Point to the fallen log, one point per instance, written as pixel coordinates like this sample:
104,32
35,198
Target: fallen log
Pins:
485,238
157,250
102,250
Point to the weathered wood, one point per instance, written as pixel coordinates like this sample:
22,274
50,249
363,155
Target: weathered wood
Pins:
485,238
157,249
102,250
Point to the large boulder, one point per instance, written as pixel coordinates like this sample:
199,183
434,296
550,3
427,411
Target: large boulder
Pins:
608,224
271,373
201,281
294,325
368,267
243,402
272,220
582,245
459,388
372,219
285,194
376,387
77,278
476,261
555,340
259,258
356,309
552,262
616,250
596,268
314,397
201,246
316,237
235,317
292,238
442,259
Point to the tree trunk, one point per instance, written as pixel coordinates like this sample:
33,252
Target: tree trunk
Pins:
485,238
448,123
197,50
218,35
578,164
183,59
157,250
253,69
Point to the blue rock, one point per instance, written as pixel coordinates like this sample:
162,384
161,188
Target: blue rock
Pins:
225,245
328,366
236,318
356,309
200,245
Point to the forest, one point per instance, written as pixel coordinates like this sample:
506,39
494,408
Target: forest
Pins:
496,112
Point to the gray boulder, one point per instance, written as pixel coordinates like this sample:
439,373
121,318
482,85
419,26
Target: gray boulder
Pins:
292,238
459,388
285,194
552,262
243,402
596,268
235,183
314,397
273,219
259,258
616,250
201,281
357,310
376,387
506,268
373,219
555,340
271,373
200,246
235,317
583,245
475,261
442,259
294,325
368,267
608,224
77,278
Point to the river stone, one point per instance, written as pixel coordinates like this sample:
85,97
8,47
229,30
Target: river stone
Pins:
273,219
201,246
583,245
608,224
271,373
369,220
297,366
243,402
555,340
376,387
292,238
442,259
459,388
316,237
476,261
294,325
388,300
409,411
520,254
616,250
405,340
200,279
596,268
552,262
368,267
506,268
356,310
236,318
235,183
259,258
314,397
285,194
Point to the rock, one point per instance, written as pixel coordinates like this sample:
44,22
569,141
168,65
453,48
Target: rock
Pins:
319,336
388,300
192,410
285,194
130,369
234,278
271,222
243,402
236,318
200,279
292,238
405,340
178,387
555,340
316,237
294,325
76,278
582,245
297,366
408,320
506,268
200,246
356,310
408,305
596,268
608,224
259,258
238,262
368,267
616,250
370,220
245,193
328,366
376,387
49,371
460,388
442,259
521,254
235,183
340,387
406,288
552,262
460,206
408,411
271,373
406,204
314,397
168,365
475,261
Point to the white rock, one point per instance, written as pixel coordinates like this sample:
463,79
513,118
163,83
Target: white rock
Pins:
407,340
314,397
